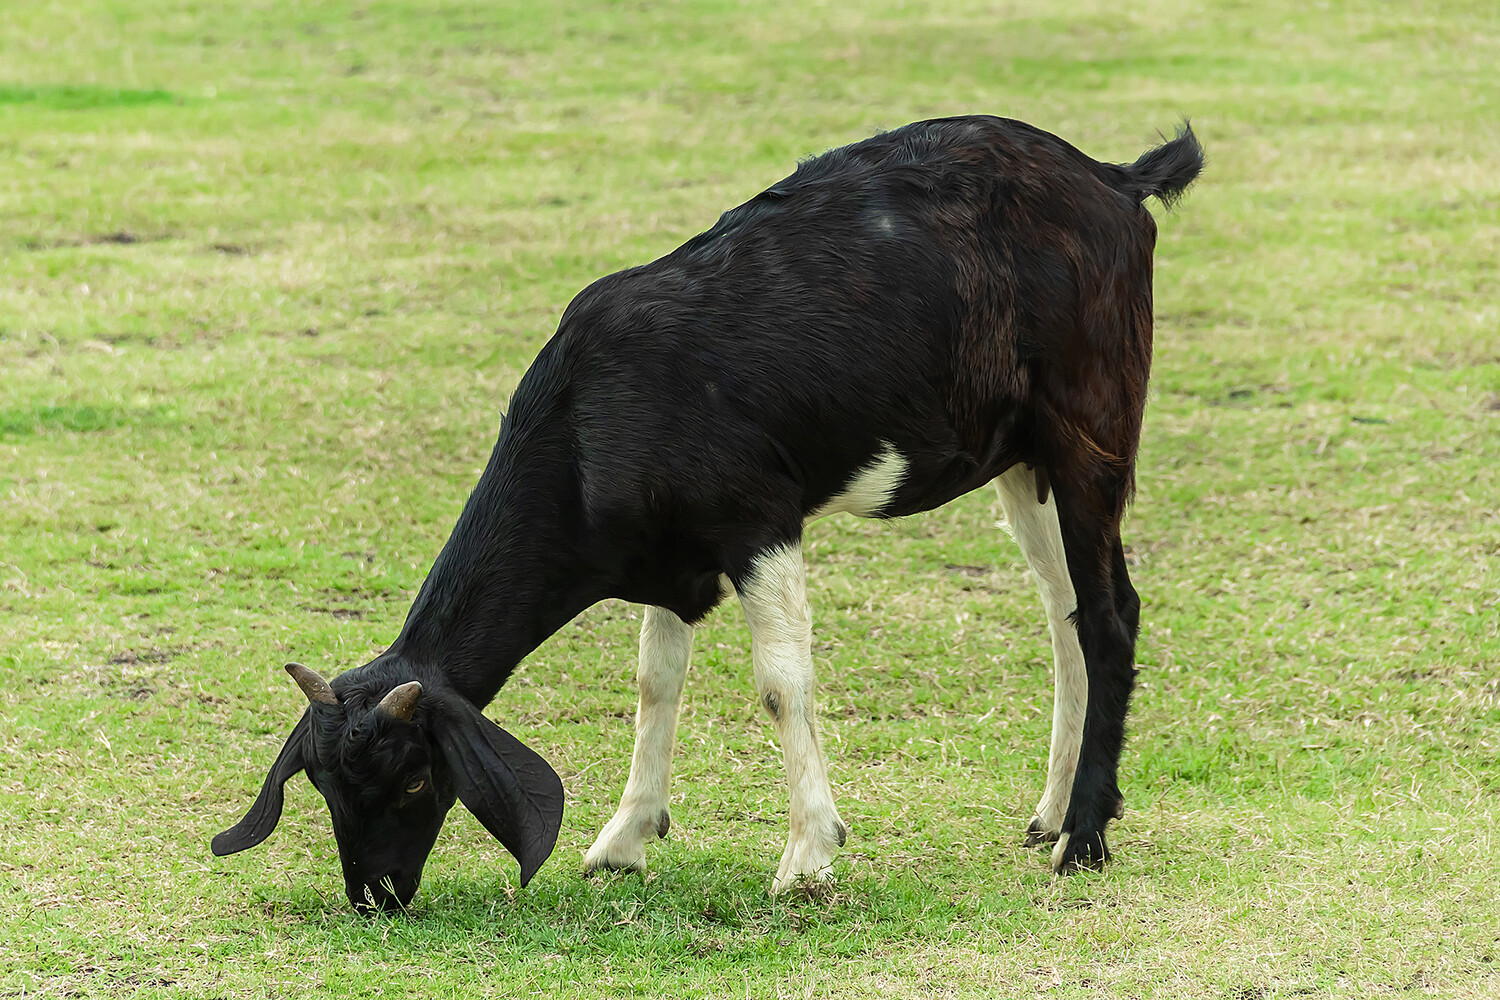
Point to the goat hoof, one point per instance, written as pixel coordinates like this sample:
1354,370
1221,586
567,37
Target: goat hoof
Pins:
614,856
809,860
1079,851
814,888
621,845
592,867
1037,835
808,885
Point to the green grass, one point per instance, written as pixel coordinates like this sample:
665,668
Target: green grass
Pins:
268,273
67,98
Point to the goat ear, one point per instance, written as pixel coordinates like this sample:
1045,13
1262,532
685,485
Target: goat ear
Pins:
263,815
507,786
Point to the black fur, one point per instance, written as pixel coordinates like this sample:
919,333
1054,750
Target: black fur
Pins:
973,292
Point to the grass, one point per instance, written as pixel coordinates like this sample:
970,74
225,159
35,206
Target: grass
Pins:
268,272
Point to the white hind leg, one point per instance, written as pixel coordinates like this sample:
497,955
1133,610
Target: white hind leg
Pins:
666,644
1035,528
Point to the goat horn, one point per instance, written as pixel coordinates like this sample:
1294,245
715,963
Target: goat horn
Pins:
401,701
312,684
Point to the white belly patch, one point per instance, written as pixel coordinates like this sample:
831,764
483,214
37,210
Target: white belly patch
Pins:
871,488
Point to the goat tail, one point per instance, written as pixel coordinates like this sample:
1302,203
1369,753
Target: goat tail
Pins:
1165,171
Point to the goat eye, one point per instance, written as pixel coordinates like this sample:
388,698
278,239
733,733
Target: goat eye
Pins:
416,786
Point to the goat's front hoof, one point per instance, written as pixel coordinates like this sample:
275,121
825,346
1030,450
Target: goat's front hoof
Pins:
817,888
621,846
811,885
1037,835
615,856
1078,851
808,860
592,867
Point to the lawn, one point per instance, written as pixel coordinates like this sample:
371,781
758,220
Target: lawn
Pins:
269,271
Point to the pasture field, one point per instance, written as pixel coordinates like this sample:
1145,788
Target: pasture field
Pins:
268,272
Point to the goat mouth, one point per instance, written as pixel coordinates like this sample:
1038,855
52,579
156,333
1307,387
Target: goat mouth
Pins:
391,894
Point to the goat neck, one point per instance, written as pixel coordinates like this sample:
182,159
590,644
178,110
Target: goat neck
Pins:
509,575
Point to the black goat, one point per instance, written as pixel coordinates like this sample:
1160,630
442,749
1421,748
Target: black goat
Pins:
896,323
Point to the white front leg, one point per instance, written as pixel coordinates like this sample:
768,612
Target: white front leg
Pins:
1036,530
666,644
774,596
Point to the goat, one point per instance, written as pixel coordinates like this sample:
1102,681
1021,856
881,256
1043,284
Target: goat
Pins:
894,324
